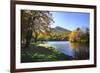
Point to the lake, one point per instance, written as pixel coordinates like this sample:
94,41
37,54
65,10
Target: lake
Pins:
76,50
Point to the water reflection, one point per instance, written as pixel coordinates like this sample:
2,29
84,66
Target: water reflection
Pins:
78,51
62,46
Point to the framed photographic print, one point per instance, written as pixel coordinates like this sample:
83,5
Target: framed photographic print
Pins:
51,36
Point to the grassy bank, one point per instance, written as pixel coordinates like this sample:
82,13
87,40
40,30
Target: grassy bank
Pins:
42,53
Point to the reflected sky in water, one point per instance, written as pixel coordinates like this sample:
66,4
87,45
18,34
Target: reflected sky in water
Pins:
71,49
62,46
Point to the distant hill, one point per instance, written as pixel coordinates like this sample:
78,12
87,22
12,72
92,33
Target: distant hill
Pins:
60,29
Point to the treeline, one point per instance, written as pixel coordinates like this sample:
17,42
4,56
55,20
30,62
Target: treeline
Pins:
53,36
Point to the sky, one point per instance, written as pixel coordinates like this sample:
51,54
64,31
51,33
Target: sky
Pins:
71,20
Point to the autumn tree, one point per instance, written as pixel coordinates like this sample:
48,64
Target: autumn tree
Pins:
34,22
72,36
75,35
79,36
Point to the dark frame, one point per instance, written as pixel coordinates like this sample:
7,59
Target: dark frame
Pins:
13,36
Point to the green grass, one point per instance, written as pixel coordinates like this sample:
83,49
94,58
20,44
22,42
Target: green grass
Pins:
42,53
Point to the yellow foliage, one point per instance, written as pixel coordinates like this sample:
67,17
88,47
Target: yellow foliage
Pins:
72,36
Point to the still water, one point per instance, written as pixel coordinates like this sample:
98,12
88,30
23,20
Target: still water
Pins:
75,50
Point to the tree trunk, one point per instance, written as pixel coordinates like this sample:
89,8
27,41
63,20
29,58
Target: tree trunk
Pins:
28,37
35,40
36,37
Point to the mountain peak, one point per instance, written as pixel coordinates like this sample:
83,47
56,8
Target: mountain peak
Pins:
60,29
